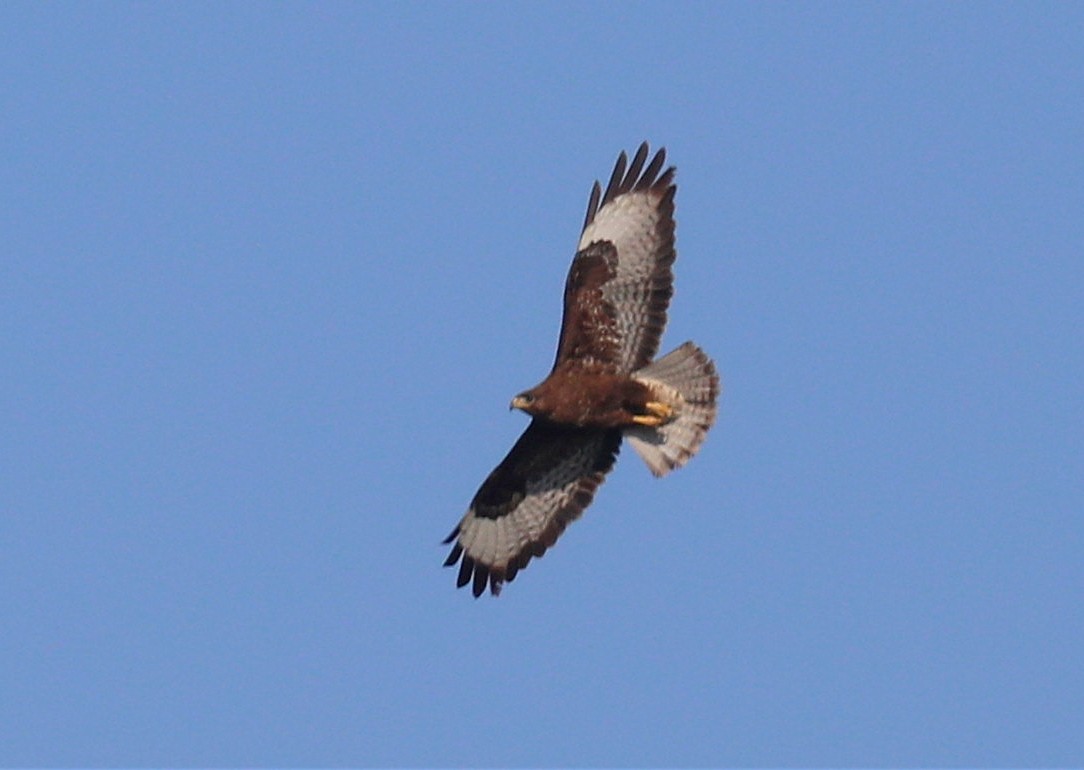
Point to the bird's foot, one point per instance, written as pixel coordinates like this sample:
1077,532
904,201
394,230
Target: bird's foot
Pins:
658,414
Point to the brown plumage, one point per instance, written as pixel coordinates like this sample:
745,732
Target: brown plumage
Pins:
587,396
603,386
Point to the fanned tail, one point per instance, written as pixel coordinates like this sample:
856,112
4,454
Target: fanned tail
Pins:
686,379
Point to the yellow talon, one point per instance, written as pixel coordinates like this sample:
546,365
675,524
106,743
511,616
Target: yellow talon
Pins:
659,409
658,414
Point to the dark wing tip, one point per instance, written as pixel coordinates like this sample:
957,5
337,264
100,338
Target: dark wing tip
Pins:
475,573
466,569
627,177
453,557
481,577
616,177
648,180
592,204
636,166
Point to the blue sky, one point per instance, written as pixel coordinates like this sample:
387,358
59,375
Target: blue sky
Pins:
270,274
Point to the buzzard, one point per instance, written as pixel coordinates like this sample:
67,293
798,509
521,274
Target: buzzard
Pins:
604,385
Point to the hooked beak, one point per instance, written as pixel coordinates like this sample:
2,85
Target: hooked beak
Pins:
519,402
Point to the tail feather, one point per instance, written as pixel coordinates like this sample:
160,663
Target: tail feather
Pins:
686,378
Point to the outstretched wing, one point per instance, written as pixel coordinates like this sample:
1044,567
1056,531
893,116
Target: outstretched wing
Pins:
546,481
620,282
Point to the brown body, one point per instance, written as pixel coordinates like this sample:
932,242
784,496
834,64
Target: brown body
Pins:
590,397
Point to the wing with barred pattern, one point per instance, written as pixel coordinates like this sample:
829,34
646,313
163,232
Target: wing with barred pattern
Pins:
620,283
524,505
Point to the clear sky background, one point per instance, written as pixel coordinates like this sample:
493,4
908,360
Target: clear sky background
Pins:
270,274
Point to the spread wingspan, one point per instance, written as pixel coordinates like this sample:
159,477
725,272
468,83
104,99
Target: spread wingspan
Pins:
603,385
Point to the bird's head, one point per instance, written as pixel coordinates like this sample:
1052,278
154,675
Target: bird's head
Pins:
528,401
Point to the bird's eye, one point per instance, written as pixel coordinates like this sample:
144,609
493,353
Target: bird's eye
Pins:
527,398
